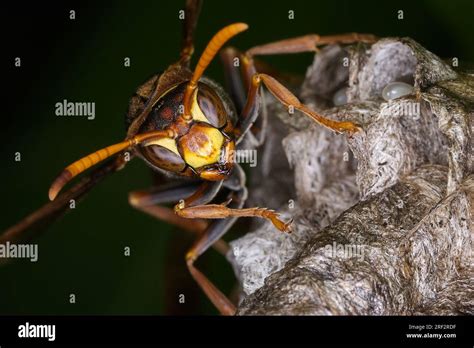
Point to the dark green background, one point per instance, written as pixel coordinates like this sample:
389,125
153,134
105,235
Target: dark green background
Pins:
82,60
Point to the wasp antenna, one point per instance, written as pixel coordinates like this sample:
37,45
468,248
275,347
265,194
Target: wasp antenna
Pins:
83,164
217,41
88,161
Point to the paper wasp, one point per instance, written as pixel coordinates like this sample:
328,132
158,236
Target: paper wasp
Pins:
185,125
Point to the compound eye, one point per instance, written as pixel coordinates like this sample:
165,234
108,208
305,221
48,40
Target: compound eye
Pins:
211,106
163,158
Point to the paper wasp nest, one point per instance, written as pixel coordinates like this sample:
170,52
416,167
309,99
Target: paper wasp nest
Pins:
383,222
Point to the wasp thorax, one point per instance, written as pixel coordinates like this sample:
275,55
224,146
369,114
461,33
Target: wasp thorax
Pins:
201,146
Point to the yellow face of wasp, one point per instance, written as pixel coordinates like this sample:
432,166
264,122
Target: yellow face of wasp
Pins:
202,145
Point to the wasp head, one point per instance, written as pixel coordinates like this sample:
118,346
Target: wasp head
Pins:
203,145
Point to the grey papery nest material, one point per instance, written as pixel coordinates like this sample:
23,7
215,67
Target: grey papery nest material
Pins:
383,220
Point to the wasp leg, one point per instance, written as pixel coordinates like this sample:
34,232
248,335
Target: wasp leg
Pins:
227,209
291,101
308,43
228,214
235,78
33,224
214,232
294,45
235,87
221,211
300,44
192,9
149,201
249,113
232,76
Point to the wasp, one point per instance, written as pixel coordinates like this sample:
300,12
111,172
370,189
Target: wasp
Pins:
185,125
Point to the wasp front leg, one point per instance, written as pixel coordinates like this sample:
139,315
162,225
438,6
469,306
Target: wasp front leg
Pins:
226,215
221,211
214,233
290,100
287,98
250,112
191,210
253,79
151,201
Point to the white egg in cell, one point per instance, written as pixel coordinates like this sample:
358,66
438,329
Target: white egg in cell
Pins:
396,90
340,97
